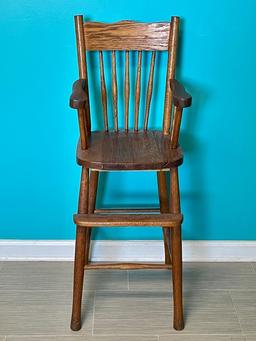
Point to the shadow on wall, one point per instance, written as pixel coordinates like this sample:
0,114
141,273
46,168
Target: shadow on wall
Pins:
193,197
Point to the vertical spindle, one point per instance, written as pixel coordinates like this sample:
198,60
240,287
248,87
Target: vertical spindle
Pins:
114,90
127,89
137,92
103,91
149,89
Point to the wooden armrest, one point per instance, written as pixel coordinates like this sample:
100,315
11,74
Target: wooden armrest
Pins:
181,98
78,97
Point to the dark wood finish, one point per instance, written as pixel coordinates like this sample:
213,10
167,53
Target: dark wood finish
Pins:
103,91
93,186
149,89
126,35
127,210
181,98
115,220
80,254
82,65
126,266
129,151
127,90
178,322
171,66
137,92
177,114
114,89
80,43
82,128
78,97
78,100
164,208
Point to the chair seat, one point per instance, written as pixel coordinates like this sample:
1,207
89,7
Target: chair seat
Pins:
143,150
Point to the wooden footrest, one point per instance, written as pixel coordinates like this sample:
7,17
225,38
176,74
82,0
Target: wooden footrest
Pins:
126,266
98,220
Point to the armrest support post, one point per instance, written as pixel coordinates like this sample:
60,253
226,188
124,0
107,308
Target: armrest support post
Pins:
82,128
175,129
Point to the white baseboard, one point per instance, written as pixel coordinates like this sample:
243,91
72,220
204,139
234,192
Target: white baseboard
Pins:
128,251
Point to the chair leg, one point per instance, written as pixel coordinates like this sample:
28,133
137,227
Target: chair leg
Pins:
163,200
80,254
93,186
176,243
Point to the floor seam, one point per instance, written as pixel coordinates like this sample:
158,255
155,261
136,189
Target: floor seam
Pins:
253,268
235,310
93,312
128,280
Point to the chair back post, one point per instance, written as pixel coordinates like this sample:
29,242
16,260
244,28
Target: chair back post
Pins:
83,113
171,66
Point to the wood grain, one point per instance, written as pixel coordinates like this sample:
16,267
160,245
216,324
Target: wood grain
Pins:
129,151
80,248
127,210
115,220
171,66
149,89
127,90
126,35
93,187
114,89
176,245
137,91
175,131
103,91
164,208
82,128
82,65
126,266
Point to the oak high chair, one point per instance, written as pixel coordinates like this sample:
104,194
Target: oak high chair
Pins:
130,148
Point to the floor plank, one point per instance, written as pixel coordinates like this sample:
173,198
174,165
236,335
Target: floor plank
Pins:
245,306
207,276
219,276
56,276
146,313
106,280
36,276
201,338
83,338
219,303
41,312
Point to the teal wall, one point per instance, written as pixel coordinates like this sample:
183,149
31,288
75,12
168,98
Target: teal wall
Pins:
38,132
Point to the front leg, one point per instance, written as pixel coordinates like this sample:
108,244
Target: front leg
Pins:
176,244
80,254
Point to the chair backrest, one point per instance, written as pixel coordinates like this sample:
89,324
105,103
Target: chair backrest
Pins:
128,36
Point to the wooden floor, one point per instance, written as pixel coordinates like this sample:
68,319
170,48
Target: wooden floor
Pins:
35,303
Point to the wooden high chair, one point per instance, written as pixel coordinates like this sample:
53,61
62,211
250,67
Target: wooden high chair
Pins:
131,148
